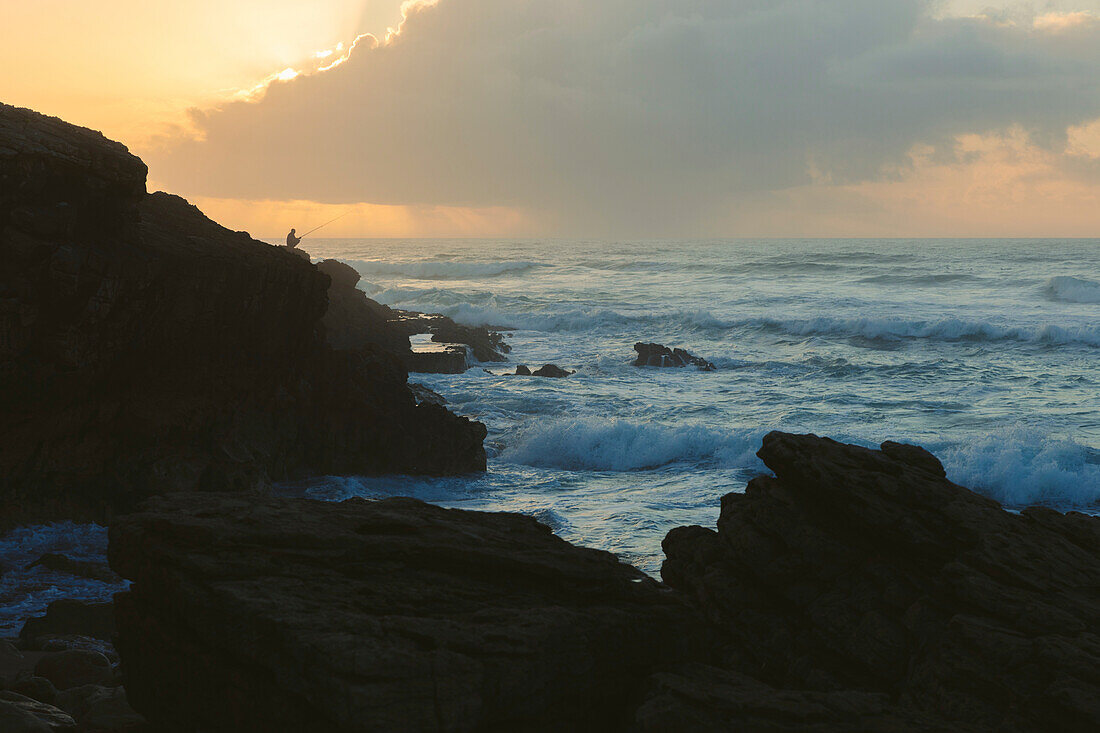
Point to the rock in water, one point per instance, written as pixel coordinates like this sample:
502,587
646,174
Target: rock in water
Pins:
863,570
657,355
551,370
145,348
67,617
290,614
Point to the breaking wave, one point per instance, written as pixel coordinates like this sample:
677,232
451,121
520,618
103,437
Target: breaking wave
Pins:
592,444
1068,289
947,329
492,310
1020,467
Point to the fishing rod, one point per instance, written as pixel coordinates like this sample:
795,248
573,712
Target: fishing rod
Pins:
311,231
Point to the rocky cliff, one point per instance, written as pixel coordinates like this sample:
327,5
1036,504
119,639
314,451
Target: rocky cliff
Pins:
145,348
854,590
867,571
299,615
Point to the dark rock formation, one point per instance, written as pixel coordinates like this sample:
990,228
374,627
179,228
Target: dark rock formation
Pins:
99,708
353,320
66,618
74,668
657,355
20,714
547,370
290,614
486,343
863,571
36,688
424,394
551,370
144,348
79,568
438,359
701,698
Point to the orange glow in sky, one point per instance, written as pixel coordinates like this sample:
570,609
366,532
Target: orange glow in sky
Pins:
133,69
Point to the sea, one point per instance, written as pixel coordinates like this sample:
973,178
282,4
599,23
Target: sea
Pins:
986,352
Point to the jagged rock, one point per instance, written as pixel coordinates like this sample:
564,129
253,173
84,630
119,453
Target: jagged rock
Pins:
424,394
343,275
19,714
74,668
486,343
551,370
67,617
353,320
523,370
915,456
284,614
79,568
145,348
657,355
861,570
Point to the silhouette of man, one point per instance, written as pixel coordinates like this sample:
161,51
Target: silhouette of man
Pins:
292,241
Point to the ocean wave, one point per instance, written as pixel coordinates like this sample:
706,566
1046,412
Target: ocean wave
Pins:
591,444
1068,289
440,269
1021,467
946,329
941,278
487,308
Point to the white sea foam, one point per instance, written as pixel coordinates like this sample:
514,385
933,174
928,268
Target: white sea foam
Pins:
945,329
490,311
439,269
1021,466
594,444
1072,289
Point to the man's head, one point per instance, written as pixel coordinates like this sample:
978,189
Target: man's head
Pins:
291,231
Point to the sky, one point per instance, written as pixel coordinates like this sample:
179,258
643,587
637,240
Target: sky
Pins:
617,118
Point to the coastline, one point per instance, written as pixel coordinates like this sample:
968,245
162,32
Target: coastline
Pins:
157,354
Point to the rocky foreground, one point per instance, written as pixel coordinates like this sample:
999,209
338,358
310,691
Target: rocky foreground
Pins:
856,589
146,349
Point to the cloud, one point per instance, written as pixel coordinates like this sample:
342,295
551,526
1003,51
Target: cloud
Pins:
642,116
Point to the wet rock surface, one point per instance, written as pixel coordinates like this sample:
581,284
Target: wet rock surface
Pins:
283,614
656,355
145,348
866,570
486,344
